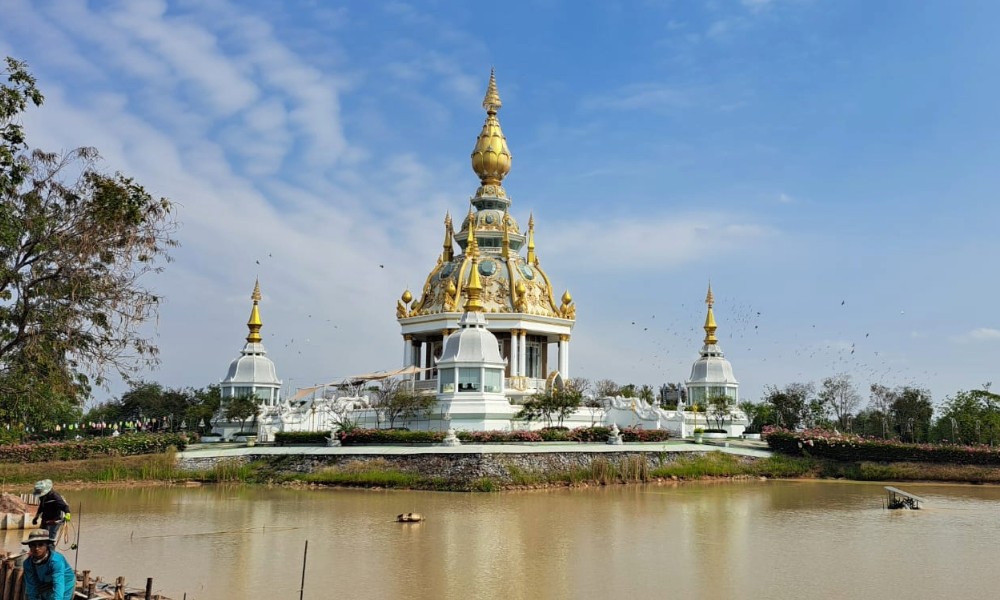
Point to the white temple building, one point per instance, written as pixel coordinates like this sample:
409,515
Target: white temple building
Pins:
471,371
711,374
252,373
532,327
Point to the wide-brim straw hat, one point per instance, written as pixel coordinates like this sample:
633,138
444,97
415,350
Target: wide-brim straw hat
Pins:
43,487
36,536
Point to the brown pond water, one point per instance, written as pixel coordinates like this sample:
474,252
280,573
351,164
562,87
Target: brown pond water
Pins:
770,539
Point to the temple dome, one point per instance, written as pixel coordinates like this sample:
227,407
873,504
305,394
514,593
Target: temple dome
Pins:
712,368
252,367
473,343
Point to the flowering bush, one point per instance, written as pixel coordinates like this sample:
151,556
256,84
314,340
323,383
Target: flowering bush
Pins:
487,437
851,447
124,445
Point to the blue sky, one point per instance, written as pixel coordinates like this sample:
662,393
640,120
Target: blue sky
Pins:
830,165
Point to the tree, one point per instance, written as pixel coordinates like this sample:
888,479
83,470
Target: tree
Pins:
395,399
241,408
912,410
605,388
580,384
970,416
758,414
791,404
840,395
552,404
75,244
719,408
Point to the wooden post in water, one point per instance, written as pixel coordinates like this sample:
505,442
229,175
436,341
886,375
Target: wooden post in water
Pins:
305,553
92,589
17,590
85,581
76,555
8,577
149,588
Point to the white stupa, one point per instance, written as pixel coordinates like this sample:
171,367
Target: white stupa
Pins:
711,374
471,370
252,373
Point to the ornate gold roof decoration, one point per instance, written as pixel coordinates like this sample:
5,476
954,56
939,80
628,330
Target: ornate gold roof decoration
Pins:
474,289
505,250
449,247
568,309
491,158
710,326
254,323
531,239
471,247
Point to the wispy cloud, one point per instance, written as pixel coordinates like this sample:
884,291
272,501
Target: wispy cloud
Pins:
983,334
644,96
785,198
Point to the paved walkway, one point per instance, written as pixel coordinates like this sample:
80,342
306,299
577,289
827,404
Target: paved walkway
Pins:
219,450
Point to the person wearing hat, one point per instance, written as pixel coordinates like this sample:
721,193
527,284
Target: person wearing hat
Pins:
47,575
52,509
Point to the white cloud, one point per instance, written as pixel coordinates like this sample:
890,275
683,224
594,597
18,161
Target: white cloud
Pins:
983,334
785,198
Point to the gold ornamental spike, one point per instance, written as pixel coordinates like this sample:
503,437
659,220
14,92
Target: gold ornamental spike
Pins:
531,239
491,158
449,249
474,289
505,253
254,324
710,326
472,246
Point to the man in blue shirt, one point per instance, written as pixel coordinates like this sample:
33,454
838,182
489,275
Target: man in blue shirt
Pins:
47,575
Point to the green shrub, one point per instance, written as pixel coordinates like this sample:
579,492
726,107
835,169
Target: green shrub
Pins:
317,438
390,436
855,448
131,444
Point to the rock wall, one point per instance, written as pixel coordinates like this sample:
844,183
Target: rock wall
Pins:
455,467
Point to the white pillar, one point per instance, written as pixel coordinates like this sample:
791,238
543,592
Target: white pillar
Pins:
407,351
564,357
522,352
513,353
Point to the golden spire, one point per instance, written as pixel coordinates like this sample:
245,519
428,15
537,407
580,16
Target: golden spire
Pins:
491,159
472,246
449,249
474,289
531,239
710,319
254,323
505,253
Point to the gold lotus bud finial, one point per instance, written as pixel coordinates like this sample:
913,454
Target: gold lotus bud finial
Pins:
451,287
710,326
407,296
491,158
474,289
566,298
254,324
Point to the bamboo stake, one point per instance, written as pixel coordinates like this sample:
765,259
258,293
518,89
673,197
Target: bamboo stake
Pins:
305,553
76,555
149,588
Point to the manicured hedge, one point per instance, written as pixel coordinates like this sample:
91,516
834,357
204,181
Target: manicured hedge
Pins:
124,445
549,434
390,436
301,437
855,448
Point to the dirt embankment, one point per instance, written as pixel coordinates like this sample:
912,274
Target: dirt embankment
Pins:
10,503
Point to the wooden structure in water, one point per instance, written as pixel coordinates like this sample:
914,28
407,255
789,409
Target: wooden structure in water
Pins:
898,499
12,585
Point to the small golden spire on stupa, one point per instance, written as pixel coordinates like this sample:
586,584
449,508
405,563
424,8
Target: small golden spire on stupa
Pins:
449,248
491,158
710,326
531,239
254,323
472,246
474,289
505,252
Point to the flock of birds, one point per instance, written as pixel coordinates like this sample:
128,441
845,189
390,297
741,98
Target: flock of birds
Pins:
668,346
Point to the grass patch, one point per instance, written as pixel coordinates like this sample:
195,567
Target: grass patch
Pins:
372,473
146,467
719,464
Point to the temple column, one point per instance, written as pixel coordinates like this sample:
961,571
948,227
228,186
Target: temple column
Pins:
564,356
407,350
522,352
513,353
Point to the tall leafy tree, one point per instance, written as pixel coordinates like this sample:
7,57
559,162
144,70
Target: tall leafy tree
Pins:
75,244
840,395
793,405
